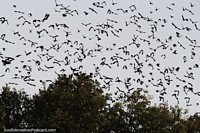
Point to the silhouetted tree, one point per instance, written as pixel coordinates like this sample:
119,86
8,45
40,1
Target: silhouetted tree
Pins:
73,103
15,107
77,104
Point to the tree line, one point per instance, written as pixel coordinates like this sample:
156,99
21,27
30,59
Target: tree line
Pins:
77,104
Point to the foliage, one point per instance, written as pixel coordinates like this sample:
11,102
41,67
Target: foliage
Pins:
71,104
15,107
77,104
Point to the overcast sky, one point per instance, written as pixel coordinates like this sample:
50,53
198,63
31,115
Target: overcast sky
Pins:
152,36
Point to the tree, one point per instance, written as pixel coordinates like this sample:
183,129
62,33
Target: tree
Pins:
192,124
136,103
71,104
14,106
115,119
161,119
76,103
140,117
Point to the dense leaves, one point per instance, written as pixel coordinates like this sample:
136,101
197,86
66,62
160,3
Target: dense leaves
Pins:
77,104
71,104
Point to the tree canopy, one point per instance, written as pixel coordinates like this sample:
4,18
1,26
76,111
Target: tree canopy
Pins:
77,104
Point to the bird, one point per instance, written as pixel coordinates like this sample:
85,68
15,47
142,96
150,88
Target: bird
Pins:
93,10
176,94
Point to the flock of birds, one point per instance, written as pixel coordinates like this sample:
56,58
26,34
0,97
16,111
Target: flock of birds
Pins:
124,46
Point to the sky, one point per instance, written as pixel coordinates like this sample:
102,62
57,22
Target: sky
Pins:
152,45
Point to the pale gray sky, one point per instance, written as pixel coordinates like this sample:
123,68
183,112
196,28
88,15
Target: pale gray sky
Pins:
143,16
